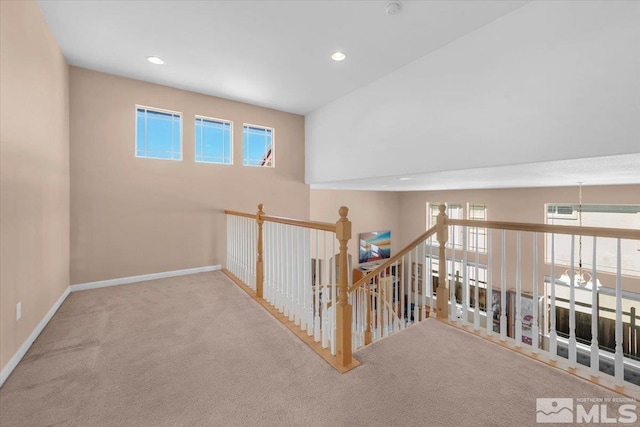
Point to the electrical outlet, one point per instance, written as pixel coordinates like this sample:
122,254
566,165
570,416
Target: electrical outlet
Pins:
18,310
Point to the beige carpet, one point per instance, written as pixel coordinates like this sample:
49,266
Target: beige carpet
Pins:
197,351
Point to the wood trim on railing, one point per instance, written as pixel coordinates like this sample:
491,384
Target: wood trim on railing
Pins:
622,233
315,225
236,213
424,236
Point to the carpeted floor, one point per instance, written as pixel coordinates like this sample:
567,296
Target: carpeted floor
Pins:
197,351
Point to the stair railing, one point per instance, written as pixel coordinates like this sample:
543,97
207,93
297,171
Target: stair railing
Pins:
507,284
394,295
300,268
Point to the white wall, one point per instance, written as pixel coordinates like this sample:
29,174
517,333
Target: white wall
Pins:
549,81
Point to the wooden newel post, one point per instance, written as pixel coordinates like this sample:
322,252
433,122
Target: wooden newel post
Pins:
343,308
442,293
259,264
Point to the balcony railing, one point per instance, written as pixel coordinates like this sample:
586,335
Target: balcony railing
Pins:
300,269
506,289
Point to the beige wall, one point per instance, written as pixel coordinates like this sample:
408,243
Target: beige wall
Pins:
517,205
134,216
368,211
34,172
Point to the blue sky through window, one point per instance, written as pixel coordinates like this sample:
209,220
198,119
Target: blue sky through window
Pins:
158,134
258,146
213,141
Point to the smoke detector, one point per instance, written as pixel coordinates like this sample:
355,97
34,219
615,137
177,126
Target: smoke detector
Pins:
393,7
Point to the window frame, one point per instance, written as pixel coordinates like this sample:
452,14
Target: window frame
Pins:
450,207
481,231
162,111
195,136
273,145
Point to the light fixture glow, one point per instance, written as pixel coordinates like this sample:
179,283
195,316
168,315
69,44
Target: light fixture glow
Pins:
404,178
338,56
155,60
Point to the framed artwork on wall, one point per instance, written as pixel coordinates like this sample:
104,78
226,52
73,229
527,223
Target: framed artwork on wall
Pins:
374,246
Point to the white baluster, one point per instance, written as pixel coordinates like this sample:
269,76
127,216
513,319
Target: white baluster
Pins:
503,289
325,296
243,252
518,323
401,284
316,322
619,361
572,307
465,277
276,264
535,330
302,290
297,283
308,299
275,255
334,298
595,350
452,272
293,260
489,293
282,254
430,285
476,294
378,321
239,248
274,260
286,270
268,290
417,306
246,251
426,288
553,336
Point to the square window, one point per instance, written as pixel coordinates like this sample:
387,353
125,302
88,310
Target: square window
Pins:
213,141
158,134
258,147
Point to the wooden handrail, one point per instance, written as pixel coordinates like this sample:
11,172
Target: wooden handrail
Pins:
315,225
365,279
622,233
236,213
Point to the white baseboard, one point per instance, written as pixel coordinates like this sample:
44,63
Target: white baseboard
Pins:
13,362
17,357
142,278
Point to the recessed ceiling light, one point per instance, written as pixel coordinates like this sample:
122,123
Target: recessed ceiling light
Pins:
338,56
404,178
155,60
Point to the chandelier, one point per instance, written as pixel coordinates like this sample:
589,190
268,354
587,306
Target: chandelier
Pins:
581,278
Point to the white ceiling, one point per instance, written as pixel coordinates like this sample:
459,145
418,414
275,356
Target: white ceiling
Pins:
609,170
269,53
276,54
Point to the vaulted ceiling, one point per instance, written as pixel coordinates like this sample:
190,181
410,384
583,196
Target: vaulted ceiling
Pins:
452,76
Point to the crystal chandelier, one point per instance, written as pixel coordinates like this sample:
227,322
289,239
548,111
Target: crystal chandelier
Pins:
581,278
